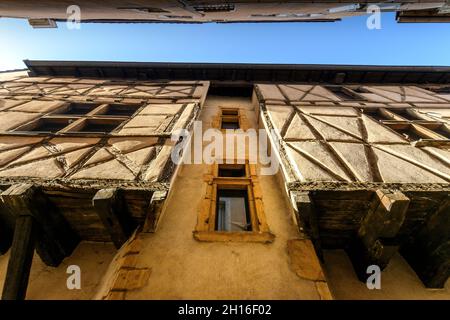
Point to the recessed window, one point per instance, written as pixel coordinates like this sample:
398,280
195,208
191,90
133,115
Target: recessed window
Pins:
50,125
405,114
342,93
232,212
98,125
443,130
230,119
82,117
409,133
233,171
120,110
232,209
376,114
77,108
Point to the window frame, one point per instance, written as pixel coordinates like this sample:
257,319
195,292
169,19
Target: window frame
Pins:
80,121
423,126
206,223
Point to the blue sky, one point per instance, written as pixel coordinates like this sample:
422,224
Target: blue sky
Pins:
344,42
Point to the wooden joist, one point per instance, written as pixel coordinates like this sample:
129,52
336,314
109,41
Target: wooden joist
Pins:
428,251
55,238
110,207
307,219
376,242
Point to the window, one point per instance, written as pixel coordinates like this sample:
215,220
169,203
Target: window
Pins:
230,119
77,108
376,114
232,209
83,118
94,125
50,125
343,93
232,212
232,171
410,123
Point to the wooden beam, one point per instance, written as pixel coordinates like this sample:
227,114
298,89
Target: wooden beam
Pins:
110,207
307,218
20,260
428,252
155,210
375,242
6,229
55,238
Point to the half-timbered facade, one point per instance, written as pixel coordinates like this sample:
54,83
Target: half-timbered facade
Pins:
87,179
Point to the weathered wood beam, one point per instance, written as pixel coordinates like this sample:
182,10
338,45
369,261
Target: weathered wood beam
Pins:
20,260
428,252
110,207
155,210
6,229
55,238
307,218
375,242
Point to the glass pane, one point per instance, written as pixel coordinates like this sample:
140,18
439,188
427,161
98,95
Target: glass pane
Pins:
232,211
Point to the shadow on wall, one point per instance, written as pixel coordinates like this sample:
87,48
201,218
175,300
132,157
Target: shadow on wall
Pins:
345,284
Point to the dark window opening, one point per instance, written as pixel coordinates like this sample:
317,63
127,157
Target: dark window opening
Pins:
120,110
409,134
230,124
226,112
407,131
443,131
232,212
98,126
51,125
342,93
230,119
77,108
404,113
375,114
232,171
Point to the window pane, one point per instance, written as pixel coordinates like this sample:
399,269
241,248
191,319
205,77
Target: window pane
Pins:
232,211
232,171
77,108
230,125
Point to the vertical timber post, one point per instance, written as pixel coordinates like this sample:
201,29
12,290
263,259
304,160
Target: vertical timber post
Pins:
23,245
